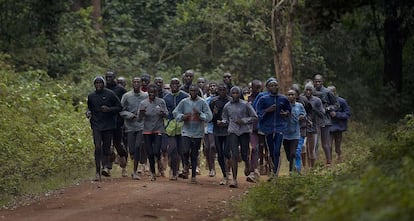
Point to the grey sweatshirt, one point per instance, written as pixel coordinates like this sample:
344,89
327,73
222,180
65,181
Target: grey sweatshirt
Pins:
242,111
130,102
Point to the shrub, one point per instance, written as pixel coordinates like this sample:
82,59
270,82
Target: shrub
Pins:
41,134
375,183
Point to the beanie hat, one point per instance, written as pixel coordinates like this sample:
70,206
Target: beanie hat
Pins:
309,86
99,78
272,79
235,88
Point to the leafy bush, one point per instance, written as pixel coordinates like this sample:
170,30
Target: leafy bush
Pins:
376,196
375,183
282,199
41,134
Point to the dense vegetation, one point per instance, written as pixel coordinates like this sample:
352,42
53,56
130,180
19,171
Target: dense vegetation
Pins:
42,135
374,183
51,50
346,41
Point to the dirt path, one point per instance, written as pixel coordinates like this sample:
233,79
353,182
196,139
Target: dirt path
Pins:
125,199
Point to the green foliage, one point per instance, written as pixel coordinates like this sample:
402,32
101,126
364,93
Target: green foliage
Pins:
375,183
158,37
282,199
79,48
40,132
388,154
133,36
376,196
28,29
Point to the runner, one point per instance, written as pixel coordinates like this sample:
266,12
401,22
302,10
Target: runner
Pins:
173,128
220,129
194,111
273,110
152,112
130,102
103,109
239,115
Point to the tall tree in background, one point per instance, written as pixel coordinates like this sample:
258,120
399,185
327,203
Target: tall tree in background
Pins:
397,29
96,14
282,19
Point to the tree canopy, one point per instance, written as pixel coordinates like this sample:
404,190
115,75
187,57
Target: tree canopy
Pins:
363,47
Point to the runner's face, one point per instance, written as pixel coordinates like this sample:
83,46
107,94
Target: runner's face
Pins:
308,92
227,78
222,91
159,82
193,92
152,93
188,78
175,86
273,87
136,84
318,81
144,82
110,77
99,85
235,95
213,88
201,82
291,96
256,88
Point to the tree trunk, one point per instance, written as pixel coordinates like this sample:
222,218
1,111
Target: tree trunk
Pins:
96,14
394,43
282,33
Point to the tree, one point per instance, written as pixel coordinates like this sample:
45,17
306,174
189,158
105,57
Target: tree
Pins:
398,24
96,13
282,34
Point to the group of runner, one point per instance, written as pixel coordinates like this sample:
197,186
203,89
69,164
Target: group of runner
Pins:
166,124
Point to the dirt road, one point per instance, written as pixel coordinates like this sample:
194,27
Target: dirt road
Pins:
126,199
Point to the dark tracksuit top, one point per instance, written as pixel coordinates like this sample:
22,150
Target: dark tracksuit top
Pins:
119,91
219,102
103,121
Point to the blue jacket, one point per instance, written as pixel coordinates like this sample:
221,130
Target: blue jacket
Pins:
172,127
340,121
293,128
172,100
272,122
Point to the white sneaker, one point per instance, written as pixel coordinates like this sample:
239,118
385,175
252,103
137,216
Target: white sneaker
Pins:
153,177
234,184
124,172
257,173
229,176
135,176
97,177
224,181
251,178
198,172
212,173
140,168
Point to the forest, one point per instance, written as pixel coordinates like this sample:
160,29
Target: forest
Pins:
50,51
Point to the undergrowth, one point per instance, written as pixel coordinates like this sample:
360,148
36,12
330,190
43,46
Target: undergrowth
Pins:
42,136
374,182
